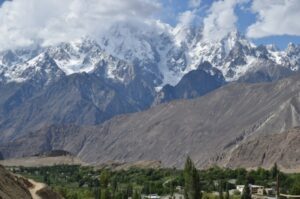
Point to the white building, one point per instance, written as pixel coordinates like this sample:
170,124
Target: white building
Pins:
253,188
152,196
240,188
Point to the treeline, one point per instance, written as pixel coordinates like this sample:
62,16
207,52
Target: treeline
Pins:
84,182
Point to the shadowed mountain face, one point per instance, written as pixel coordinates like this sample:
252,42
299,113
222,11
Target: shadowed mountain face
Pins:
79,99
207,128
194,84
89,99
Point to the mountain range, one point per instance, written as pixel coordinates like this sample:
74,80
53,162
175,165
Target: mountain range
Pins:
209,128
72,93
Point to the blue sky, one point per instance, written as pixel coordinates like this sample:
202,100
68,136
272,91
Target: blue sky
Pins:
263,32
245,19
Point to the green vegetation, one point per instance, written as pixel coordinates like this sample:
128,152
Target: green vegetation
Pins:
75,182
246,193
191,181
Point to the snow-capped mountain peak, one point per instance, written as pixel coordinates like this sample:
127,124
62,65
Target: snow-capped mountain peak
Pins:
163,53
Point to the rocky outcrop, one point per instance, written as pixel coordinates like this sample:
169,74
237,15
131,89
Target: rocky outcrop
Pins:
12,187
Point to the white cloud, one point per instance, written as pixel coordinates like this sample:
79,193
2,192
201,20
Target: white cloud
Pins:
275,17
221,19
186,18
182,29
194,3
27,22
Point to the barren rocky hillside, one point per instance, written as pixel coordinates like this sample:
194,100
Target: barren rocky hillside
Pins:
206,128
282,148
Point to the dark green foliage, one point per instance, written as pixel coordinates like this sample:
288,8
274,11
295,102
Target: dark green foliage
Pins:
191,181
227,196
246,192
129,190
274,171
87,183
220,184
295,190
136,195
114,185
119,195
47,179
104,179
105,194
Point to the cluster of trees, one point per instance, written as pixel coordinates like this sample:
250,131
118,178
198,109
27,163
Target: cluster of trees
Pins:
84,182
111,189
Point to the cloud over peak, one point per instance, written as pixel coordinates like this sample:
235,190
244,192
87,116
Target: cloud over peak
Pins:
221,19
27,22
46,22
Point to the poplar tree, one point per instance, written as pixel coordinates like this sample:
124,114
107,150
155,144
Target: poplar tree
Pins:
104,180
136,195
221,196
191,181
246,192
227,195
274,171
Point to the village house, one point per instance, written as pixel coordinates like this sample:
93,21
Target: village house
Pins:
255,189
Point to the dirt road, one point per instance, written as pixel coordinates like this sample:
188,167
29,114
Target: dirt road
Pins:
36,187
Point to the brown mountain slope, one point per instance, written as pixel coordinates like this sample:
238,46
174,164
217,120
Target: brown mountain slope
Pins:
208,127
282,148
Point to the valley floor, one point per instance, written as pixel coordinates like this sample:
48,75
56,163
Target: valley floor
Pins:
86,182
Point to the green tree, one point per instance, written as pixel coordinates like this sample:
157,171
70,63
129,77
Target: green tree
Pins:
221,196
104,180
119,195
136,195
105,194
47,179
191,181
146,188
274,171
227,196
246,192
129,190
295,190
172,188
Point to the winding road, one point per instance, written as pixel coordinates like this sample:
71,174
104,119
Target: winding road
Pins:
36,187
